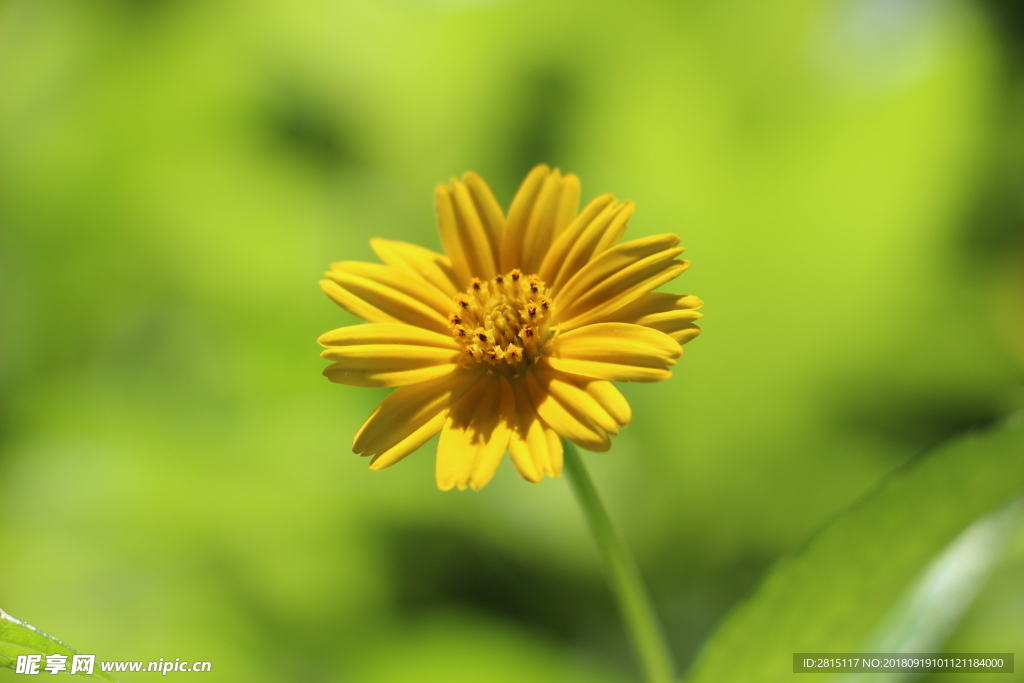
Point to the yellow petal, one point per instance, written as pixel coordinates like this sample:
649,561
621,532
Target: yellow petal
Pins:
605,230
481,252
685,333
523,456
672,314
654,304
568,203
611,400
487,207
613,262
528,443
353,304
615,288
565,418
463,235
448,226
615,294
407,409
616,229
397,280
475,435
493,440
410,443
554,451
419,262
454,464
601,209
540,229
573,395
375,301
514,236
388,365
620,352
387,333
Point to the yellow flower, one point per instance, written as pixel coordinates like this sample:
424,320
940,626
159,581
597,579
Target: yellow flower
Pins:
511,340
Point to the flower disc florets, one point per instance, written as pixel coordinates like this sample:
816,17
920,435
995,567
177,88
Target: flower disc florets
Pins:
503,323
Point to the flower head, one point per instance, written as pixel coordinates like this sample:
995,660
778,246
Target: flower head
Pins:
511,340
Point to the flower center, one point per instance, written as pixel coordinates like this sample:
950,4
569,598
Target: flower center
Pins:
503,322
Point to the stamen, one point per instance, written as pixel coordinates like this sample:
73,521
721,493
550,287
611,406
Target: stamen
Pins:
500,326
513,354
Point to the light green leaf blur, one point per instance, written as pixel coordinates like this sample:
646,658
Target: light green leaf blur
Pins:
834,594
18,638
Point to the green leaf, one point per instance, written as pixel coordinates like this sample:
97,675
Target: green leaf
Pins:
832,595
18,638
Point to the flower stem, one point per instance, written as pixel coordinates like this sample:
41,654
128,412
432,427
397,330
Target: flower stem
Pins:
634,604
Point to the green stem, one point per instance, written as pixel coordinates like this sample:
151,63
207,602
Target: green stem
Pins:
626,584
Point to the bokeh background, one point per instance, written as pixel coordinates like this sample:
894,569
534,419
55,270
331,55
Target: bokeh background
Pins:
175,473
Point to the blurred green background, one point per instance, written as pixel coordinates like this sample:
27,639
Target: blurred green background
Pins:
175,473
